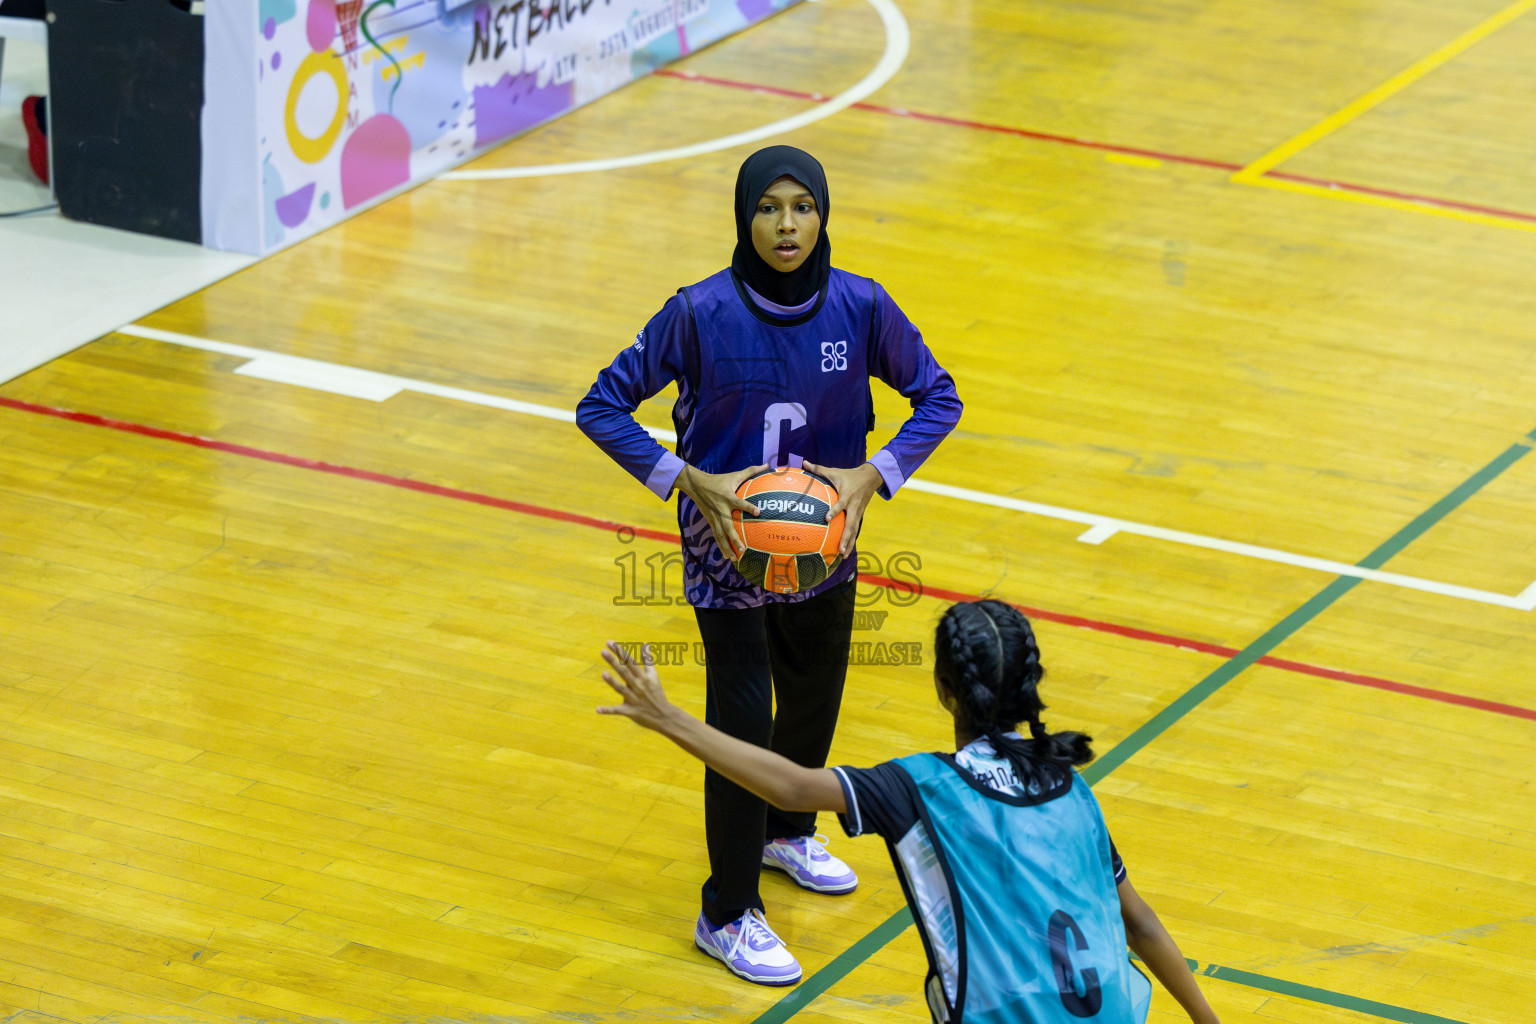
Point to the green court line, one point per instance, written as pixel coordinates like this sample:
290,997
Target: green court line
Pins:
845,962
1225,673
1386,1011
1288,626
835,971
1321,995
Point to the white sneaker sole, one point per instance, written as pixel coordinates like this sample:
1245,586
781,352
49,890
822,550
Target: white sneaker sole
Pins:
775,981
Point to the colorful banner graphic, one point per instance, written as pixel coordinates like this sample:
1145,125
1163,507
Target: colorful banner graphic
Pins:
356,98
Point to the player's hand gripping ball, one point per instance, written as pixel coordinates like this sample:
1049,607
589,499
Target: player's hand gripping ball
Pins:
789,544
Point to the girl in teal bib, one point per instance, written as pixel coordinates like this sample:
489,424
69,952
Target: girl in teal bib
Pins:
1021,900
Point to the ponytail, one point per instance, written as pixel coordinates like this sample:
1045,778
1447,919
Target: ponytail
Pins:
985,652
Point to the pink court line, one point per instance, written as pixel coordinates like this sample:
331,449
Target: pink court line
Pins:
1067,140
608,525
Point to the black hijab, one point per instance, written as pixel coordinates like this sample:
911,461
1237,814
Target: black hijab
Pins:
760,170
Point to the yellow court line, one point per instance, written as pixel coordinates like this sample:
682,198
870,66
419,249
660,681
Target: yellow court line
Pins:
1253,173
1469,216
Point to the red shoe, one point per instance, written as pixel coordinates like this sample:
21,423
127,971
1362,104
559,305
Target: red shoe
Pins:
32,115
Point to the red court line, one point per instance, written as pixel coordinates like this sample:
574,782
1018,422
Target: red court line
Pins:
957,122
1045,615
1405,688
1226,652
1130,632
1406,197
330,467
1067,140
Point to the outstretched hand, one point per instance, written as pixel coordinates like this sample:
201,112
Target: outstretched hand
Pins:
715,495
778,780
645,702
855,489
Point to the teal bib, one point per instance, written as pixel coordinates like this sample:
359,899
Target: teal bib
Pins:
1036,918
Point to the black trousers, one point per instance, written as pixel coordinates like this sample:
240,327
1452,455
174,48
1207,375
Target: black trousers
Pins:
797,654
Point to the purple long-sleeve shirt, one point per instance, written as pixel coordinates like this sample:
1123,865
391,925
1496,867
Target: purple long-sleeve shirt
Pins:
755,387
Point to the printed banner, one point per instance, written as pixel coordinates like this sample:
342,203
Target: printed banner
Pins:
356,98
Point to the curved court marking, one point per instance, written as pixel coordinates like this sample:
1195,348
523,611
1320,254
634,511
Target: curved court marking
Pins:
898,43
376,387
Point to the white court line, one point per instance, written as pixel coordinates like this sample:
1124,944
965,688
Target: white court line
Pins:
898,42
349,380
376,387
1101,528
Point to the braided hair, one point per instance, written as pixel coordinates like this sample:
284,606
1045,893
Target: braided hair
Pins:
985,652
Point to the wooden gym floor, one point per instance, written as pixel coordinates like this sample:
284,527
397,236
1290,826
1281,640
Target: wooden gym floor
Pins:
297,681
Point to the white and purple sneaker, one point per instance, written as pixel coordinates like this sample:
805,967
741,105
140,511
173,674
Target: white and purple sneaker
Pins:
749,948
806,860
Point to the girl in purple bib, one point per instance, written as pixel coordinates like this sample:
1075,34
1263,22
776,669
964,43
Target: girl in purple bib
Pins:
772,358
